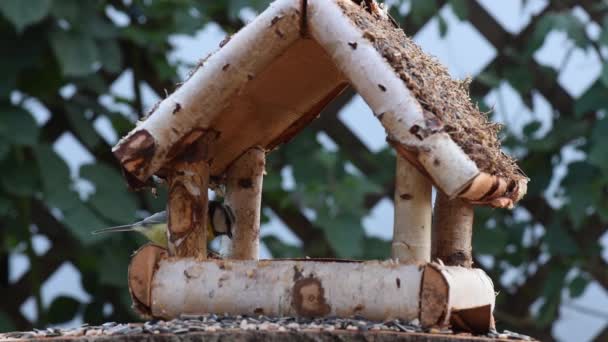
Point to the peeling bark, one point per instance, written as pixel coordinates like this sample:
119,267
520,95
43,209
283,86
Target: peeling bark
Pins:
314,288
413,211
244,195
494,191
141,271
304,288
459,297
452,231
395,106
187,203
203,97
135,152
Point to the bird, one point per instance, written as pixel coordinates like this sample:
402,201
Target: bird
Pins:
220,221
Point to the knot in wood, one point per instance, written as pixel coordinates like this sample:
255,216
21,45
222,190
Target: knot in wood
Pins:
308,298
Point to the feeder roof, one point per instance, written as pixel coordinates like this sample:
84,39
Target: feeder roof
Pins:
275,76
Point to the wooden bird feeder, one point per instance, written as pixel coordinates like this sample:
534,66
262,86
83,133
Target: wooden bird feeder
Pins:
256,92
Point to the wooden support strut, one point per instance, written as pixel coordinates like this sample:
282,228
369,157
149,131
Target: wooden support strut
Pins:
452,231
187,203
413,209
244,196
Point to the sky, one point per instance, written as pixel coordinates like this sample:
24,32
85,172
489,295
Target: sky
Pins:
463,50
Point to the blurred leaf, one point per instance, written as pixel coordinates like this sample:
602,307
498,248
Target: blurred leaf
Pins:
531,128
519,78
374,248
63,309
489,241
6,206
5,148
76,52
593,99
443,26
19,178
582,189
143,37
6,323
489,78
113,265
93,313
18,126
603,39
548,312
69,10
559,242
89,273
552,296
55,177
577,286
82,125
345,234
81,222
279,249
420,10
24,13
560,21
460,8
604,75
598,153
111,199
235,7
110,55
185,22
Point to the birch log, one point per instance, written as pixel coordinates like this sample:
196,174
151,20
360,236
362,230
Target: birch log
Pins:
376,290
469,293
187,204
265,78
244,195
453,231
413,211
395,106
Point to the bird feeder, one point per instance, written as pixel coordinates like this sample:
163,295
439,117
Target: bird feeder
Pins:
256,92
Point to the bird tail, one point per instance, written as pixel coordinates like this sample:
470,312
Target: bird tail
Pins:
123,228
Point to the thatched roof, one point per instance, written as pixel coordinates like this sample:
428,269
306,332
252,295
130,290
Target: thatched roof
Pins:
276,75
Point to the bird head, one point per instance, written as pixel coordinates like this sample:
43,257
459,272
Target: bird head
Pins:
221,218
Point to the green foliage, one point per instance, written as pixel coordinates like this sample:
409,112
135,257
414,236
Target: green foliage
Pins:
280,249
17,120
563,21
111,199
63,309
421,10
23,13
6,323
75,51
460,8
70,42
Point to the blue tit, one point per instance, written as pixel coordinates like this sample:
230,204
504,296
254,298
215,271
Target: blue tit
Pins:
220,221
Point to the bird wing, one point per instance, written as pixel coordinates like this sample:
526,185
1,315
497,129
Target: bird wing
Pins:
160,217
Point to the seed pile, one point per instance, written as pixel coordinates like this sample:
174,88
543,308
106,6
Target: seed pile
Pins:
214,323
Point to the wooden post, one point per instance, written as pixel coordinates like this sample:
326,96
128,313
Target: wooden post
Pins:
187,203
244,196
452,231
413,210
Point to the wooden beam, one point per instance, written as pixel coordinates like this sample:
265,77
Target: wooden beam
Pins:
413,209
187,204
452,231
244,196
